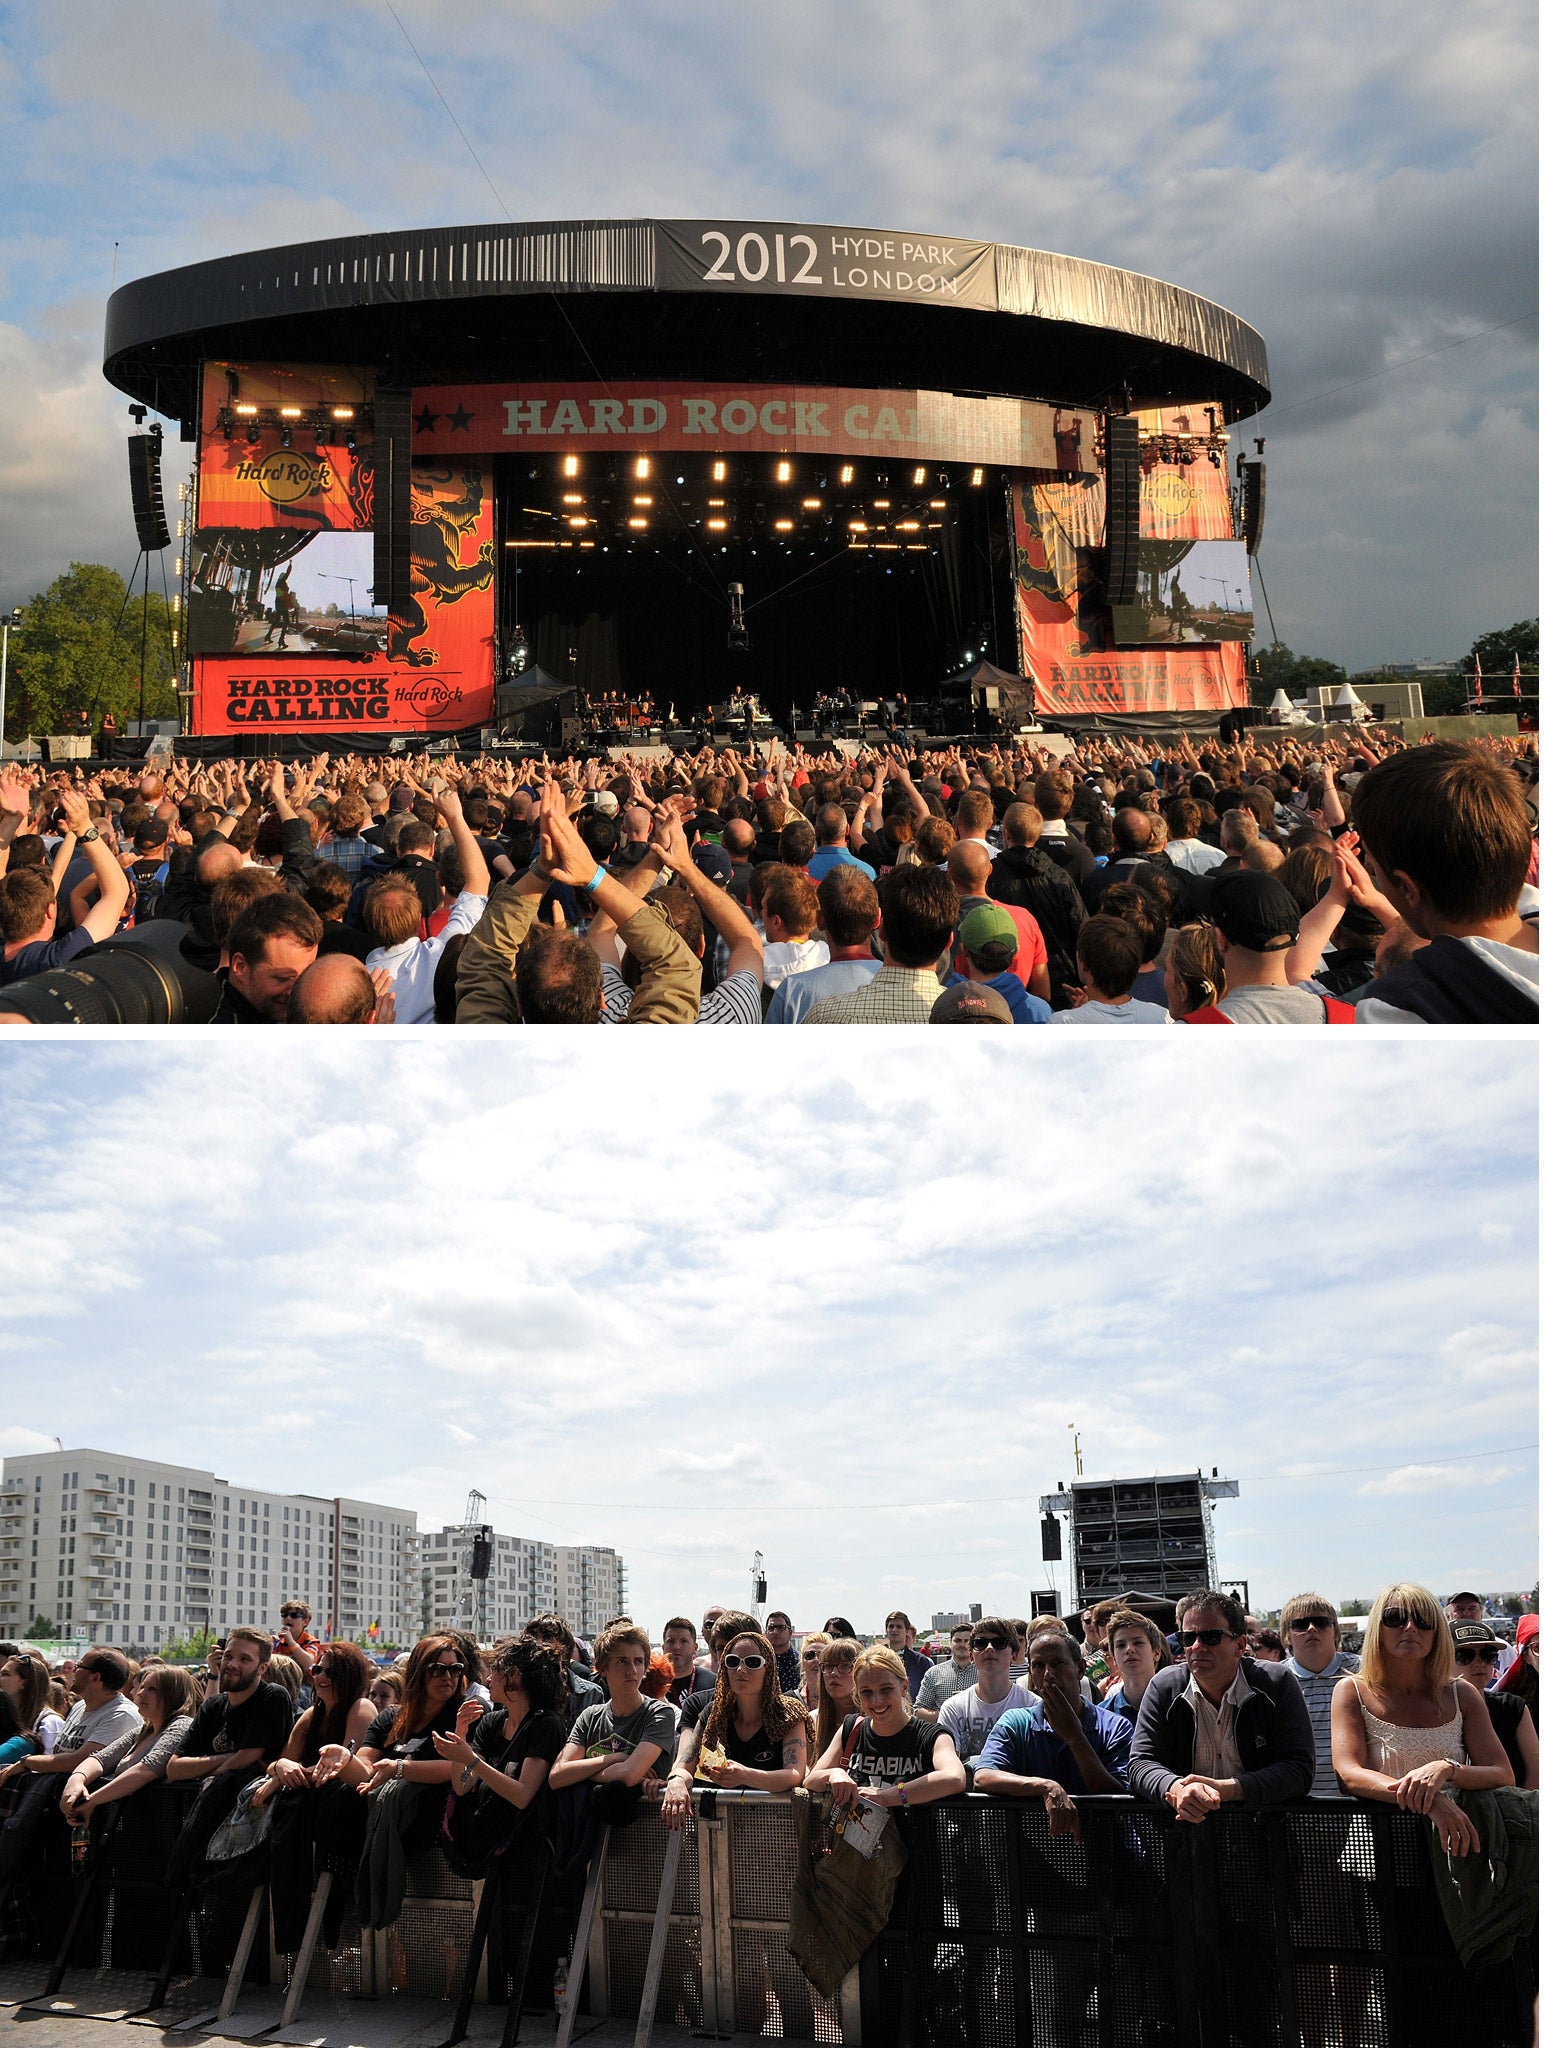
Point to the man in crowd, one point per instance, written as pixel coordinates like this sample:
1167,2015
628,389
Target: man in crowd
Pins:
944,1680
918,907
1059,1744
29,910
679,1642
1026,877
901,1637
100,1715
1310,1628
988,945
1109,961
831,847
235,1735
848,919
779,1633
1220,1727
1257,927
974,1710
393,914
1470,1607
270,945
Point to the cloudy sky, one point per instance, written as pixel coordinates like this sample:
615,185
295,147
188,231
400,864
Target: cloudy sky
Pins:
842,1320
1357,179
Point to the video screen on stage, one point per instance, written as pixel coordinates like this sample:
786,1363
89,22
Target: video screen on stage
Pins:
272,590
1188,592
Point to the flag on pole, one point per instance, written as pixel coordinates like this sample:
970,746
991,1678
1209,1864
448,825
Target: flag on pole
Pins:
1517,677
1479,687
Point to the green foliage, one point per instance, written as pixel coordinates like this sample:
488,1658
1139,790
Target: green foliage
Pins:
78,650
1497,651
42,1630
1278,668
1356,1606
193,1648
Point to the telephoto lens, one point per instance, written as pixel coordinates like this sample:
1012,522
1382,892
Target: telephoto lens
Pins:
135,977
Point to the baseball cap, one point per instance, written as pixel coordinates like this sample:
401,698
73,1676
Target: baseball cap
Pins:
1468,1633
1466,1596
970,1002
714,862
1253,911
604,801
989,930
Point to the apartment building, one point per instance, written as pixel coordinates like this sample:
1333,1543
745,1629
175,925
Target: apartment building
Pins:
584,1583
130,1551
591,1586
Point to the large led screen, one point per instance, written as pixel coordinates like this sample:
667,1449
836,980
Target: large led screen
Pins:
258,591
1189,592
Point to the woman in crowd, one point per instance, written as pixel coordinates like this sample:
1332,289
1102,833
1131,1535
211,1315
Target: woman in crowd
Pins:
286,1672
1403,1731
1478,1651
1138,1653
809,1667
26,1685
1266,1646
1193,979
16,1742
882,1753
749,1735
837,1696
386,1690
318,1822
167,1698
502,1771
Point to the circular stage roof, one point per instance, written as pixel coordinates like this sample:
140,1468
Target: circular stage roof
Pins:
769,302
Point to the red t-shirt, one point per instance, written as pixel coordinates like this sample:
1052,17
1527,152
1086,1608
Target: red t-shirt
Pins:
1031,953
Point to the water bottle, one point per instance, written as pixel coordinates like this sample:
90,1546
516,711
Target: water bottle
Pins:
80,1844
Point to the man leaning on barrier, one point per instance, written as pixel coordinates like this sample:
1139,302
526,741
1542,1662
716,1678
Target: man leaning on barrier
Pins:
1220,1727
1059,1745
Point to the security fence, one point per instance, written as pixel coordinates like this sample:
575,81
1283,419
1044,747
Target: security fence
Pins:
1317,1923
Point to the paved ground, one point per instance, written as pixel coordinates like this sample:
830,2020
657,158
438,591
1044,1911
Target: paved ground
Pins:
105,2010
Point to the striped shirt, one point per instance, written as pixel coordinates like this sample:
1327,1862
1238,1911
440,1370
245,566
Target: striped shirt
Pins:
735,1001
1317,1688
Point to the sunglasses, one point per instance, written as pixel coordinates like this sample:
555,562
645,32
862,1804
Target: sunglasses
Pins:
1300,1628
446,1670
733,1663
812,1656
1210,1637
321,1671
292,1614
990,1643
1397,1617
1468,1656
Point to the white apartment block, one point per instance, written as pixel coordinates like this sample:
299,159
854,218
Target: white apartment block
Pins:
128,1551
592,1588
583,1583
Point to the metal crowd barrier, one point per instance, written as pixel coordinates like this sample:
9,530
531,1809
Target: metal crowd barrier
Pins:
1315,1923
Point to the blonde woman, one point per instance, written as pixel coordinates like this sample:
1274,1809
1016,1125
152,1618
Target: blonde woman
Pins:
286,1672
1402,1730
883,1753
751,1736
809,1667
1193,979
167,1698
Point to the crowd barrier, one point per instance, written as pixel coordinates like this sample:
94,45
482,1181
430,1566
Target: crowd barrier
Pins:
1317,1923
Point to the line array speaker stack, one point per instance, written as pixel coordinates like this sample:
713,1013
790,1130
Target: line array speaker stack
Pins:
1254,505
145,489
1122,506
393,498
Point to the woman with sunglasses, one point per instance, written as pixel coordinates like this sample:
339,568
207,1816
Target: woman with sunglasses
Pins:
1477,1651
318,1822
838,1694
1403,1731
809,1667
340,1716
502,1770
751,1735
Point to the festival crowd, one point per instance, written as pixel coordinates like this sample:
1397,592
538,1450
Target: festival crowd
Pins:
1109,882
345,1767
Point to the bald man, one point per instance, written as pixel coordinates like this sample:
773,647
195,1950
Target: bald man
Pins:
740,845
189,895
969,868
335,989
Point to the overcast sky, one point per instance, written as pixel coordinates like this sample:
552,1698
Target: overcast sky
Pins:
843,1321
1356,179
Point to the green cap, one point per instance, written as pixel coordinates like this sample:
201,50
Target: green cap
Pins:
989,935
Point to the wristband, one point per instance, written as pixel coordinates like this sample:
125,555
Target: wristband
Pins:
902,1790
595,881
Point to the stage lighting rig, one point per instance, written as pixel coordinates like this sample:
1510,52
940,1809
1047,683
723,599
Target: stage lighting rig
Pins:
739,639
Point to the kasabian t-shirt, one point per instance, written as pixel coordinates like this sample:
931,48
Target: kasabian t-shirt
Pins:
891,1759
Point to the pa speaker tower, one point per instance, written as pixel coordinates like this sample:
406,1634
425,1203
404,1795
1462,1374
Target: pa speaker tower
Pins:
1252,507
1122,506
393,498
145,490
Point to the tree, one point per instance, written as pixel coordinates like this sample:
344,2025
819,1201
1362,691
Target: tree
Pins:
78,650
1497,651
1278,668
192,1648
42,1630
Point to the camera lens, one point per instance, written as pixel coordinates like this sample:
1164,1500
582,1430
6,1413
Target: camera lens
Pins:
137,977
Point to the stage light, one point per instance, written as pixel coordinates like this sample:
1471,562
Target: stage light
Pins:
943,479
784,472
246,412
718,525
720,471
343,412
881,504
287,437
712,502
641,467
918,476
936,504
811,504
570,465
573,497
908,525
977,476
350,441
637,522
857,526
578,519
254,434
289,412
782,526
846,474
643,501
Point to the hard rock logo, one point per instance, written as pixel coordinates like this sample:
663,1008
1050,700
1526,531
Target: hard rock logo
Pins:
286,475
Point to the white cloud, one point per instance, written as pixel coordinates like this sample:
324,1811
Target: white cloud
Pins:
1490,1351
16,1441
1410,1479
